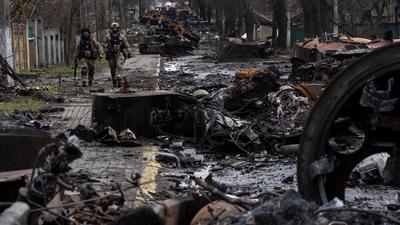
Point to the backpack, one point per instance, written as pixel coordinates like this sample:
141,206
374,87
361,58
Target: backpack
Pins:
86,49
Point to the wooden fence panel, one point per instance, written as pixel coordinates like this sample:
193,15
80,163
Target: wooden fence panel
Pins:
20,47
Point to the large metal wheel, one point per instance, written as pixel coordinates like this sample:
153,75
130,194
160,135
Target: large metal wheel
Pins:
357,116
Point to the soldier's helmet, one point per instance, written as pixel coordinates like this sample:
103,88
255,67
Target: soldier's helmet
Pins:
115,26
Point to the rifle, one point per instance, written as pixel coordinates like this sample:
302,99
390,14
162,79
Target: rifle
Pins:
7,69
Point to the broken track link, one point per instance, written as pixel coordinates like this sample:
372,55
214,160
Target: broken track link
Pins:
342,100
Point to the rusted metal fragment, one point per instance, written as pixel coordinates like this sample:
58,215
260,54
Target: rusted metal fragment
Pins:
314,50
216,211
312,91
153,18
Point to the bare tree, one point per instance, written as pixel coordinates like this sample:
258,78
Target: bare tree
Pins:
73,27
279,23
363,17
233,17
316,17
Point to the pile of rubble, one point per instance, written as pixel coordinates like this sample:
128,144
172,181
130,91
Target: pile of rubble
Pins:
320,60
287,208
261,112
259,109
168,32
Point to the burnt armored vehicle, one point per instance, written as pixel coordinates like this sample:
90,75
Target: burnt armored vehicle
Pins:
357,116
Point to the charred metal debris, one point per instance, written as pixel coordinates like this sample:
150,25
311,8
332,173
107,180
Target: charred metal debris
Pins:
262,112
315,59
170,32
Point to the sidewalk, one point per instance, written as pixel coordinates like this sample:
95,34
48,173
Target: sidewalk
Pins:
142,71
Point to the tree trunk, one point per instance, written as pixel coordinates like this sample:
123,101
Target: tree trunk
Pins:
316,17
203,9
308,18
250,21
219,23
209,13
110,12
231,20
327,13
317,21
74,23
279,23
122,13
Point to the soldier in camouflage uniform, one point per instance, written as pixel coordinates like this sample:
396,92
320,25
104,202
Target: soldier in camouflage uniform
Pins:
88,51
117,50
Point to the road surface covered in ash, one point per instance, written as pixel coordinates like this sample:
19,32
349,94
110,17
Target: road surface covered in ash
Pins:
104,166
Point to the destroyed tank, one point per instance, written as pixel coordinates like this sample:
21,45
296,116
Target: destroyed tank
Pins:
357,116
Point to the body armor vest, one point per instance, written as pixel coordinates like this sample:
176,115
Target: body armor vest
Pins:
86,49
115,46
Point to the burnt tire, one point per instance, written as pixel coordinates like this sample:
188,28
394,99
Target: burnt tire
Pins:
315,136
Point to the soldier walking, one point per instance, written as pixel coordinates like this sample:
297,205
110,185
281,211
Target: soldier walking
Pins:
117,50
89,50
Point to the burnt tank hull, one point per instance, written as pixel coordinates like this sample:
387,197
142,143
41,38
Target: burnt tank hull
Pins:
145,113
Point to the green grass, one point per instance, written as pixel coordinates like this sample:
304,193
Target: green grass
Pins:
51,71
20,105
29,103
63,69
29,72
48,91
59,69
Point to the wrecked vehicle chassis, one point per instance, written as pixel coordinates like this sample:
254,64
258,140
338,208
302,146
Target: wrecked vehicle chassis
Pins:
145,113
363,120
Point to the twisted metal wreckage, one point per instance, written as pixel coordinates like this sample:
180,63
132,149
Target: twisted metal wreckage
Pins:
256,113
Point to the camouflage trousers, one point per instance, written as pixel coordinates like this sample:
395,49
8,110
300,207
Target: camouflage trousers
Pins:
115,63
88,66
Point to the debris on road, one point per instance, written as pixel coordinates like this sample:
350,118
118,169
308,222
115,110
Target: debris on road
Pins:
237,49
30,119
106,136
167,35
216,211
214,128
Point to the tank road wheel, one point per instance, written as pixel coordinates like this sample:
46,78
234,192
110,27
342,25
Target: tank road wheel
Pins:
357,116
